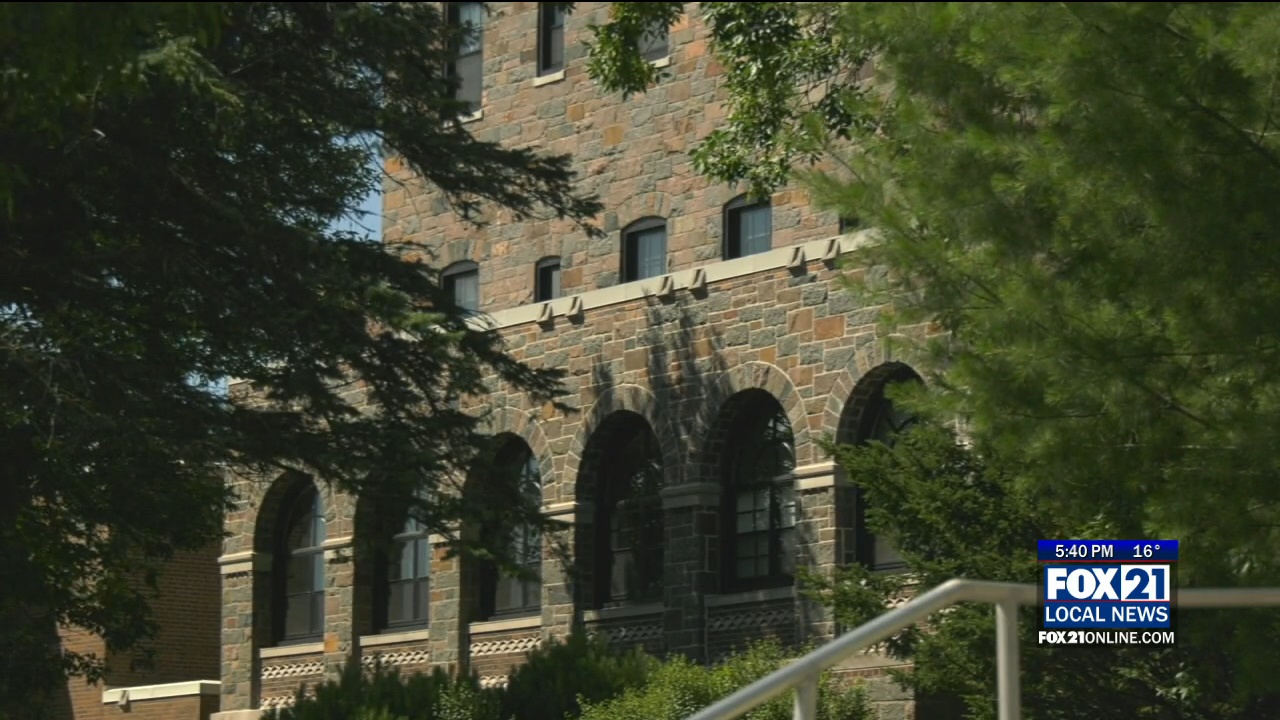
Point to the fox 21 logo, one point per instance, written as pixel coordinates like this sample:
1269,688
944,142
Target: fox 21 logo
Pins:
1116,583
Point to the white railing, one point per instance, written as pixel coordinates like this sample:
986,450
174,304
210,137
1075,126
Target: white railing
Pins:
802,675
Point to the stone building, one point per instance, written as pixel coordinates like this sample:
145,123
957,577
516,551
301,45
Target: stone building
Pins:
709,346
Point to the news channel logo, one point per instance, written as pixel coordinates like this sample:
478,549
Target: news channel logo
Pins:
1108,592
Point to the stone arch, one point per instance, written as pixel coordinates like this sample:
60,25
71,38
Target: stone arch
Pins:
709,422
871,353
632,398
650,204
509,420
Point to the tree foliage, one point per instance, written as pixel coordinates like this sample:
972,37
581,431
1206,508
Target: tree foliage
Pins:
1081,196
171,188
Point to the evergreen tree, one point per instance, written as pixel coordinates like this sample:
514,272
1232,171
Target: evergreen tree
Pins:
1082,198
171,174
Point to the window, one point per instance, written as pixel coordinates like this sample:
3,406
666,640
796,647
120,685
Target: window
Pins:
503,595
644,249
462,282
653,43
760,505
629,522
468,64
748,227
546,281
881,420
550,38
849,224
404,600
298,569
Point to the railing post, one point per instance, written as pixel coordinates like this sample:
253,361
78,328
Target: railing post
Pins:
1008,672
806,703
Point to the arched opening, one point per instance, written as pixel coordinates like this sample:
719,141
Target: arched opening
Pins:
872,416
623,471
758,510
297,567
514,469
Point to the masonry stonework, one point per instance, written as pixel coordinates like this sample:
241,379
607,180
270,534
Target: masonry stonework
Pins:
684,351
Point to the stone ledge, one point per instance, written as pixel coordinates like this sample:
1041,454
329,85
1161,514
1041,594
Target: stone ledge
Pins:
395,638
540,80
244,562
193,688
750,597
623,611
776,259
236,715
496,626
316,648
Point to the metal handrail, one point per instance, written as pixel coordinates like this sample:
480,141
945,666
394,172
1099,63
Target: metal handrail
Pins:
803,674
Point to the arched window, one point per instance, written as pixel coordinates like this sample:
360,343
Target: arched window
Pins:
503,595
880,420
461,281
748,227
644,249
298,569
404,573
629,528
760,498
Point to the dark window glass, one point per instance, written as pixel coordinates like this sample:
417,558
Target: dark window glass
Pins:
468,64
550,38
299,564
502,594
653,43
748,228
631,516
849,224
761,501
408,577
462,282
881,421
644,250
547,280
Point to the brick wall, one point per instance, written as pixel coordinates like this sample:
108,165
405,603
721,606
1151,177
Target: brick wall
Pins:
186,609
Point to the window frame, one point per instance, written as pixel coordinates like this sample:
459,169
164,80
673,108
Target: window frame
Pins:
528,538
416,536
548,15
614,502
870,426
629,267
449,278
302,505
648,43
453,18
732,215
541,293
760,418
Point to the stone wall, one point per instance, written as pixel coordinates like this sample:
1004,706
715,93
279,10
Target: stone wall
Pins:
679,351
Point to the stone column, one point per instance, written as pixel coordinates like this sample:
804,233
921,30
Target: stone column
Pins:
339,601
559,610
244,577
819,540
691,517
447,631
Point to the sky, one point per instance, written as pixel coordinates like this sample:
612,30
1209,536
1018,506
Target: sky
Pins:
369,222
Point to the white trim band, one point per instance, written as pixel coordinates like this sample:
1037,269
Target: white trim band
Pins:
192,688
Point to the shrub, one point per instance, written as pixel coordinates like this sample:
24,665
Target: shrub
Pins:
678,688
382,694
560,675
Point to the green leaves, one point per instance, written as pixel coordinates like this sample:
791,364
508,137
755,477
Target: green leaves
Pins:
172,182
